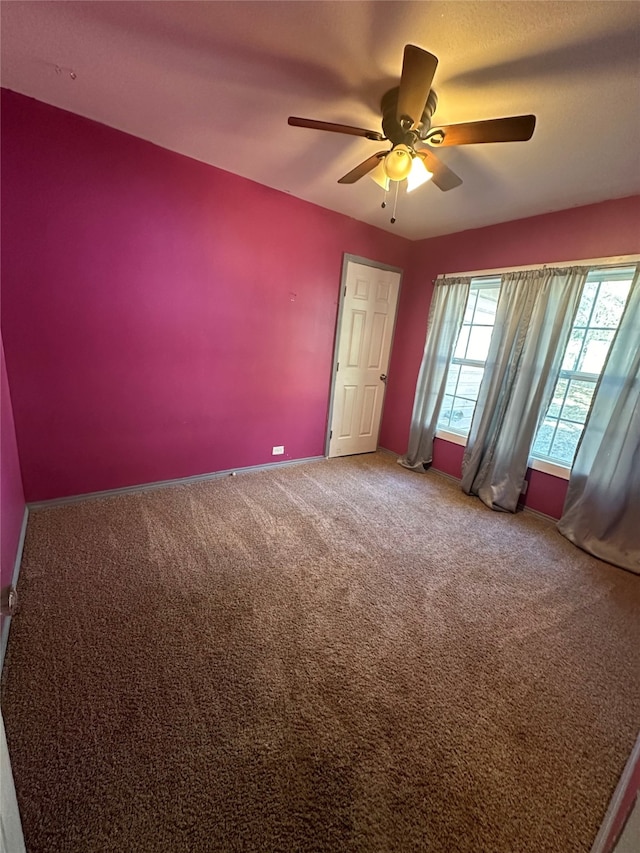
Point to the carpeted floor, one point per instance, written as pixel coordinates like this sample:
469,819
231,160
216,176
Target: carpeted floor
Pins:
337,656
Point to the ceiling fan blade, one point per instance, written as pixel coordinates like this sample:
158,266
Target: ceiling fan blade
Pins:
294,121
443,177
513,129
418,68
363,169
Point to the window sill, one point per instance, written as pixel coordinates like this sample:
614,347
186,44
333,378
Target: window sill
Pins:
543,465
453,437
552,468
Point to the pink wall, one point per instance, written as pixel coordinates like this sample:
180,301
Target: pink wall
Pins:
162,318
598,230
11,494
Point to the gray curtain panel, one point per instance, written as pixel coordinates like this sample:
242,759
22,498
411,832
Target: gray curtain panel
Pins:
602,509
533,321
445,318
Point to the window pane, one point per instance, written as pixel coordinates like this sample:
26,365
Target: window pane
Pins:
586,303
471,305
565,442
452,379
445,411
542,444
572,351
461,345
558,398
578,400
486,307
595,350
469,382
479,340
462,413
610,303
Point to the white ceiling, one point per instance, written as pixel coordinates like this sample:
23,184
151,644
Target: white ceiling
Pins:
217,80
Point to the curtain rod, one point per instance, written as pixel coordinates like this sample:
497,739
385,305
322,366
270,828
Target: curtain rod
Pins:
614,261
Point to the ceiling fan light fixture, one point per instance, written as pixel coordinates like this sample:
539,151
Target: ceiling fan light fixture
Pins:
397,163
418,175
380,176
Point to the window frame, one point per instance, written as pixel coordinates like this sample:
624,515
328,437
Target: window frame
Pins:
477,284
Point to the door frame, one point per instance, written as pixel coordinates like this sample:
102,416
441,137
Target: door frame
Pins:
346,260
10,823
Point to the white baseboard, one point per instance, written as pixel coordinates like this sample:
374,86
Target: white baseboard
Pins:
161,484
14,582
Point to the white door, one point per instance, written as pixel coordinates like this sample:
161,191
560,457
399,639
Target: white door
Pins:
364,346
11,840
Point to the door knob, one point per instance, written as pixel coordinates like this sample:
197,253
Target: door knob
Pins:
383,376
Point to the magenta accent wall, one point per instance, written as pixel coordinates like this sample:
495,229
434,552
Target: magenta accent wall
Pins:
11,494
598,230
162,318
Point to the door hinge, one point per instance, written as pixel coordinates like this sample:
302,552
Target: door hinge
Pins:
330,434
337,366
345,290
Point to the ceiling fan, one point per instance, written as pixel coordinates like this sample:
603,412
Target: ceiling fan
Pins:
406,123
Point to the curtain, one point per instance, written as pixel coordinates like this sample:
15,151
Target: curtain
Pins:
602,509
533,321
445,318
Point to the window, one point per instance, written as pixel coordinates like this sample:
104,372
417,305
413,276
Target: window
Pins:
472,347
599,312
601,307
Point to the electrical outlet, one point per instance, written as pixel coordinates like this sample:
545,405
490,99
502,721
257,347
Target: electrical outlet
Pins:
278,451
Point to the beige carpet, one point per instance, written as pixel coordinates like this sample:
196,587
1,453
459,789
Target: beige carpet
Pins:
337,656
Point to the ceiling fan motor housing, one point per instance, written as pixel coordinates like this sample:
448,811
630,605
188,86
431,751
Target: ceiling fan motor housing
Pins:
393,130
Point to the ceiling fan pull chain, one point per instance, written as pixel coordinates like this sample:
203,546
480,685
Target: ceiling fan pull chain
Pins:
395,202
385,190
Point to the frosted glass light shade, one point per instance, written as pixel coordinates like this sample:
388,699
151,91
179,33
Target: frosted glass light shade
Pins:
418,175
397,163
380,176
